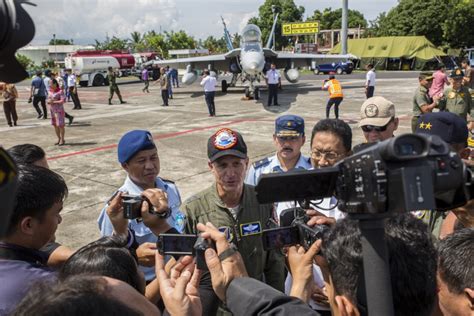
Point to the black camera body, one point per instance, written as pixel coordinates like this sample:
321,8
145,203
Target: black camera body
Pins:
293,231
132,206
185,244
405,173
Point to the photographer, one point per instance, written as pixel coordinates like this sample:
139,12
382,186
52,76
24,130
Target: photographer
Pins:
36,215
232,205
412,266
209,83
138,155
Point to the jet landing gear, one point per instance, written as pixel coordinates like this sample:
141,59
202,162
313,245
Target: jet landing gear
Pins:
249,94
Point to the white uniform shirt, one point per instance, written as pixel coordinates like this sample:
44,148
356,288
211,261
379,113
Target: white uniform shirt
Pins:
71,80
370,78
209,83
273,76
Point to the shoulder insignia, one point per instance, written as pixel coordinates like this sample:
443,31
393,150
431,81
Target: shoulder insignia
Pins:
261,163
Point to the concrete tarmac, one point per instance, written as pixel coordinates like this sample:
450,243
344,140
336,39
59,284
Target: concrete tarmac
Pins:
89,163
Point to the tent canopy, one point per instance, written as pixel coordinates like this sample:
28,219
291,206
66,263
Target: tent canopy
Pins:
391,47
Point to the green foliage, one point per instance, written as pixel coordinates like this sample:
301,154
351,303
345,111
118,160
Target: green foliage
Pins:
179,40
215,45
332,19
113,43
448,23
289,12
60,41
24,61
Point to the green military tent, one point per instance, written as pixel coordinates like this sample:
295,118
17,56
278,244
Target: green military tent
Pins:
391,47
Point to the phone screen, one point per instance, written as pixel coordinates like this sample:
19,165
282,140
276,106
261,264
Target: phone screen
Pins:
176,244
277,238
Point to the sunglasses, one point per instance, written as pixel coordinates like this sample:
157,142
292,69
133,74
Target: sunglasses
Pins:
370,128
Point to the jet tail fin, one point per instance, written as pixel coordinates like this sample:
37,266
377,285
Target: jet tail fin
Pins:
228,39
270,38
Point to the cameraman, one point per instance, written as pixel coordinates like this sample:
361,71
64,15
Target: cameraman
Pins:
138,155
412,266
453,130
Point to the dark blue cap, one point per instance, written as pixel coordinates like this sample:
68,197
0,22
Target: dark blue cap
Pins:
450,127
133,142
289,125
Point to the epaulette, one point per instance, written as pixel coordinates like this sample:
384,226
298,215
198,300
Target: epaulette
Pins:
166,180
191,199
261,163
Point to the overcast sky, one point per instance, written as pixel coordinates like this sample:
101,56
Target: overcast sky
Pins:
86,20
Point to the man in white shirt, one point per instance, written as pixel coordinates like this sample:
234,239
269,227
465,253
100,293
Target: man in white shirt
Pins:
273,81
370,81
71,85
209,83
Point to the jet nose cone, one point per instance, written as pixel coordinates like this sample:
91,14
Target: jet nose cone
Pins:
253,66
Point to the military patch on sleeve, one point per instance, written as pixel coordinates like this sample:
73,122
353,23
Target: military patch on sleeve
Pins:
249,229
261,163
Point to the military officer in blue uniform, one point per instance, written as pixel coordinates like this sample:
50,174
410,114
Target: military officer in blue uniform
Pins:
289,137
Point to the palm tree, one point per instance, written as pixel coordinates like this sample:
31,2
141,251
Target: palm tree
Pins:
136,40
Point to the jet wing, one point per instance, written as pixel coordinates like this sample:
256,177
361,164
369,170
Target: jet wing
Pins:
217,62
285,60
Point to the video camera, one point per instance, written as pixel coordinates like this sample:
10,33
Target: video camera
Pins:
182,244
405,173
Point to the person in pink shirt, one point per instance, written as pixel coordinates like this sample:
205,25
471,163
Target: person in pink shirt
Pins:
439,80
56,100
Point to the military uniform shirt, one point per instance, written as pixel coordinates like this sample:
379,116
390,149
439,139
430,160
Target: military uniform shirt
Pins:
112,79
271,165
244,231
457,102
420,98
143,234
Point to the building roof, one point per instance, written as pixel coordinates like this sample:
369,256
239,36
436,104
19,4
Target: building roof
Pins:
58,49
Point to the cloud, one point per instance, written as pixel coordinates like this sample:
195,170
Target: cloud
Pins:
86,20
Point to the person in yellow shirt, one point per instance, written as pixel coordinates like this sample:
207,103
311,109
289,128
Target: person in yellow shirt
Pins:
335,95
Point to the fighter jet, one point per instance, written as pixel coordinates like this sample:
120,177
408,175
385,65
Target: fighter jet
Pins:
249,62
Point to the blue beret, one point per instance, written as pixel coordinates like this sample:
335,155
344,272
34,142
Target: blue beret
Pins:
133,142
289,125
450,127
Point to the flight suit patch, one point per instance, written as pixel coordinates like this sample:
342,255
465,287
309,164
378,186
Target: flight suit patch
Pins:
249,229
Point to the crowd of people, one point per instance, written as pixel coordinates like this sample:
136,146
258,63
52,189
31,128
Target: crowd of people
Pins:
431,253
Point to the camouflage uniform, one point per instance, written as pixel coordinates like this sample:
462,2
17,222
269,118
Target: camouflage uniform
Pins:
111,77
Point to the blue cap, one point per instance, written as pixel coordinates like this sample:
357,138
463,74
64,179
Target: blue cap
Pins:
450,127
133,142
289,125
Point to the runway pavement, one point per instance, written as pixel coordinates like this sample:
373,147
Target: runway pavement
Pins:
89,164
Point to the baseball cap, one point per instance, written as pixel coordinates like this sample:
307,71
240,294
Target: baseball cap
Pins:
289,125
456,74
449,126
376,111
226,142
133,142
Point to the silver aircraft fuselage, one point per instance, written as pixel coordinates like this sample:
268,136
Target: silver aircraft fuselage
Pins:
252,59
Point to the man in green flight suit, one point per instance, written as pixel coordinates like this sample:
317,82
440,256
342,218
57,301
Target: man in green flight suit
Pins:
422,102
456,98
232,206
111,77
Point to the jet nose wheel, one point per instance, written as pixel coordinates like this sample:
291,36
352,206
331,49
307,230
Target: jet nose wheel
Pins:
247,93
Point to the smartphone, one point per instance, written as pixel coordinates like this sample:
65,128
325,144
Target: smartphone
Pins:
277,238
176,244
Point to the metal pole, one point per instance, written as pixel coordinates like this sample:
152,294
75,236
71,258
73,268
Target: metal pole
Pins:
273,11
54,43
345,9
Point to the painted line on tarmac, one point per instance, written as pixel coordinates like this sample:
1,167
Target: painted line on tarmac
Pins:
163,136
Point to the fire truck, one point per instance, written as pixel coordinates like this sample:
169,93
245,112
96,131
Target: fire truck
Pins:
91,65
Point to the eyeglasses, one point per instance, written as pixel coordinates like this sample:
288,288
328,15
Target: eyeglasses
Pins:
328,155
370,128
